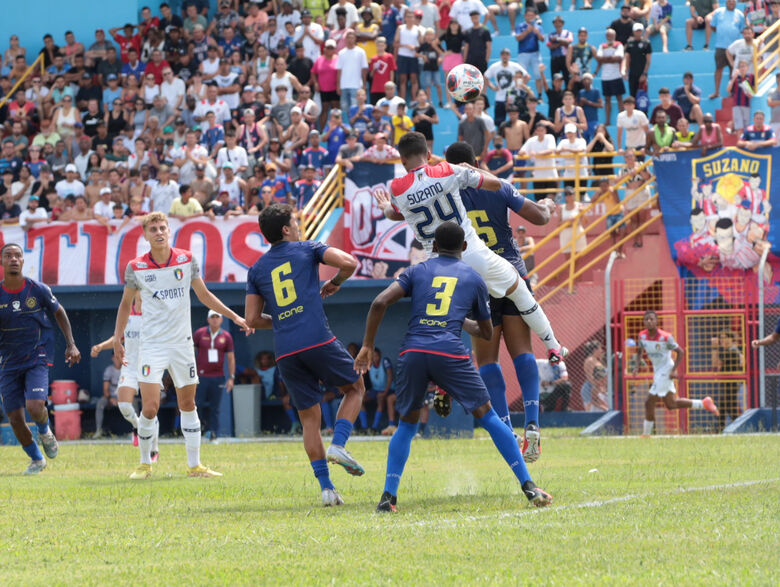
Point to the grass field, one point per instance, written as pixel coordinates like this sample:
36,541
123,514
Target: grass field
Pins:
682,511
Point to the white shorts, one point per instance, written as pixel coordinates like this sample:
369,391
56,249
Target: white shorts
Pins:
128,376
179,360
498,273
662,384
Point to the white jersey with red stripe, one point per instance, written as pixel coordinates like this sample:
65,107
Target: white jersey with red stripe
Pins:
659,349
165,293
430,195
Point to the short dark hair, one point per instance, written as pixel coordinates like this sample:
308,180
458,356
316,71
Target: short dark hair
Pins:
460,152
649,312
724,223
411,144
664,91
449,237
273,219
8,245
184,188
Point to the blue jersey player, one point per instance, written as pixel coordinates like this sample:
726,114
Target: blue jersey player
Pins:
443,291
27,352
489,213
285,283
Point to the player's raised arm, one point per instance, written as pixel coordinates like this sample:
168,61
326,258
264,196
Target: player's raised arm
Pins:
376,313
253,312
470,176
766,341
122,316
72,354
538,213
382,197
212,302
102,346
344,262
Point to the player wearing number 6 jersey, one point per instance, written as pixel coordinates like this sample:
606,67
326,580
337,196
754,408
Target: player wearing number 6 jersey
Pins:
443,291
164,276
428,196
285,282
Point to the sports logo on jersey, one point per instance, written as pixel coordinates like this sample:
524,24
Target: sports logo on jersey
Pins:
31,302
181,258
141,265
148,278
145,370
16,305
178,274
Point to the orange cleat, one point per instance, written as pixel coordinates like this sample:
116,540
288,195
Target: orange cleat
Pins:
710,406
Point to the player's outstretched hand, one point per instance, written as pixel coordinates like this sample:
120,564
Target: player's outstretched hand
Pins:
363,360
382,197
241,323
328,289
72,355
94,352
755,344
549,204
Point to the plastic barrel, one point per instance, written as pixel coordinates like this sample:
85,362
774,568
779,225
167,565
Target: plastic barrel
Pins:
67,424
64,391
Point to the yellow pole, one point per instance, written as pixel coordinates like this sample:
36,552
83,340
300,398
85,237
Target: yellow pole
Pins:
756,73
21,80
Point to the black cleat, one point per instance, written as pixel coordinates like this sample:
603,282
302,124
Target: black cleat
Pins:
442,403
536,496
387,503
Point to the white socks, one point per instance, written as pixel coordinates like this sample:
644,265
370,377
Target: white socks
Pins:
128,412
696,404
190,428
533,315
147,430
155,440
648,427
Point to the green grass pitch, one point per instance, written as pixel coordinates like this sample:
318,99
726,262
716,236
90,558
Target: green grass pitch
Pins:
674,511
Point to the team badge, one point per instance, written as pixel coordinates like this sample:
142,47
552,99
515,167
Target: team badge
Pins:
181,258
17,305
178,274
145,370
31,302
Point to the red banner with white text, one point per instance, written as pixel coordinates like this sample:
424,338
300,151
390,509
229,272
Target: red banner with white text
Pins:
87,253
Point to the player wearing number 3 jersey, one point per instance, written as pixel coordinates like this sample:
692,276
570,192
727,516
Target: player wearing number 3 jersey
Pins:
427,196
286,283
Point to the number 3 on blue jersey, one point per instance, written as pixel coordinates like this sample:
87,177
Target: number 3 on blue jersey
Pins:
452,214
284,289
444,296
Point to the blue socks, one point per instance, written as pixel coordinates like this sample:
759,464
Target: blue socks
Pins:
327,414
398,453
505,443
322,474
528,377
43,428
494,381
291,415
377,420
33,451
363,417
341,432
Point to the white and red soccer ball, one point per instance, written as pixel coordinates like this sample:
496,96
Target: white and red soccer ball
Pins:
465,82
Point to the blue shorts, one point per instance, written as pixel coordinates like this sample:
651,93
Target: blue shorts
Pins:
429,79
613,87
407,65
303,371
500,307
457,376
613,219
17,387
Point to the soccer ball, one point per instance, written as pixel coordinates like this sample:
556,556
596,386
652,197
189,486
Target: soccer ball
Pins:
465,82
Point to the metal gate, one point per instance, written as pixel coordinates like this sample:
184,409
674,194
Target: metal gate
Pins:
713,320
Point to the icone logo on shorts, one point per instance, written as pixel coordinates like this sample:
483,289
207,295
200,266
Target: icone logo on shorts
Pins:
178,274
145,370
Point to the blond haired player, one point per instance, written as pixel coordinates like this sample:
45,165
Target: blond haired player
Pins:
164,277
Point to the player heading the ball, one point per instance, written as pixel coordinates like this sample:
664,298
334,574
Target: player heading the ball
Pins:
429,195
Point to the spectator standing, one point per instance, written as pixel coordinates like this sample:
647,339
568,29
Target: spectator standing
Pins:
431,55
727,22
602,143
529,34
478,44
609,57
623,26
352,72
391,20
34,214
382,67
756,15
424,117
367,32
635,124
213,345
499,77
499,160
581,54
594,392
311,35
589,98
571,162
472,130
406,44
538,148
740,88
638,55
558,41
525,244
742,50
700,17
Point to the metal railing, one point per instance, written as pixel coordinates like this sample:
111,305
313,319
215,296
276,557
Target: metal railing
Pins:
326,199
766,53
20,81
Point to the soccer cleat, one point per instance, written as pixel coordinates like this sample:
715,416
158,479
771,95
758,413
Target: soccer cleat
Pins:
331,497
442,403
557,355
532,444
708,405
387,503
135,437
390,430
141,472
536,496
202,471
35,467
338,455
155,456
49,444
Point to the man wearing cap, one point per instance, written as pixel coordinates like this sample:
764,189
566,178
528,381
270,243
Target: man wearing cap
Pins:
34,214
233,185
310,34
638,54
477,43
558,42
279,184
165,192
314,154
307,186
104,206
212,346
500,78
350,152
233,153
71,184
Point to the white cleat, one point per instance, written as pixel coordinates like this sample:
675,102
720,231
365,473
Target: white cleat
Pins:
35,467
331,497
50,446
341,456
532,444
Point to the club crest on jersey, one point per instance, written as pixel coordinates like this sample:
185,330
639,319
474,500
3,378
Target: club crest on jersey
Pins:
31,302
178,274
181,258
17,305
145,370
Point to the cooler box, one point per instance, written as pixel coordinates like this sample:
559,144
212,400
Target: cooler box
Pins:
67,421
64,391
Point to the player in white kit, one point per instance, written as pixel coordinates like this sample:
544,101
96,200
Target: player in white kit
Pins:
164,276
128,381
659,345
429,195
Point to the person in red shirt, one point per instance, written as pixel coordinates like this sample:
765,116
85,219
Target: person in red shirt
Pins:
212,345
156,66
127,40
381,69
148,21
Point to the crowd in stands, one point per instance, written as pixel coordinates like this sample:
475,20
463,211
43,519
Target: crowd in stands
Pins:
204,113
